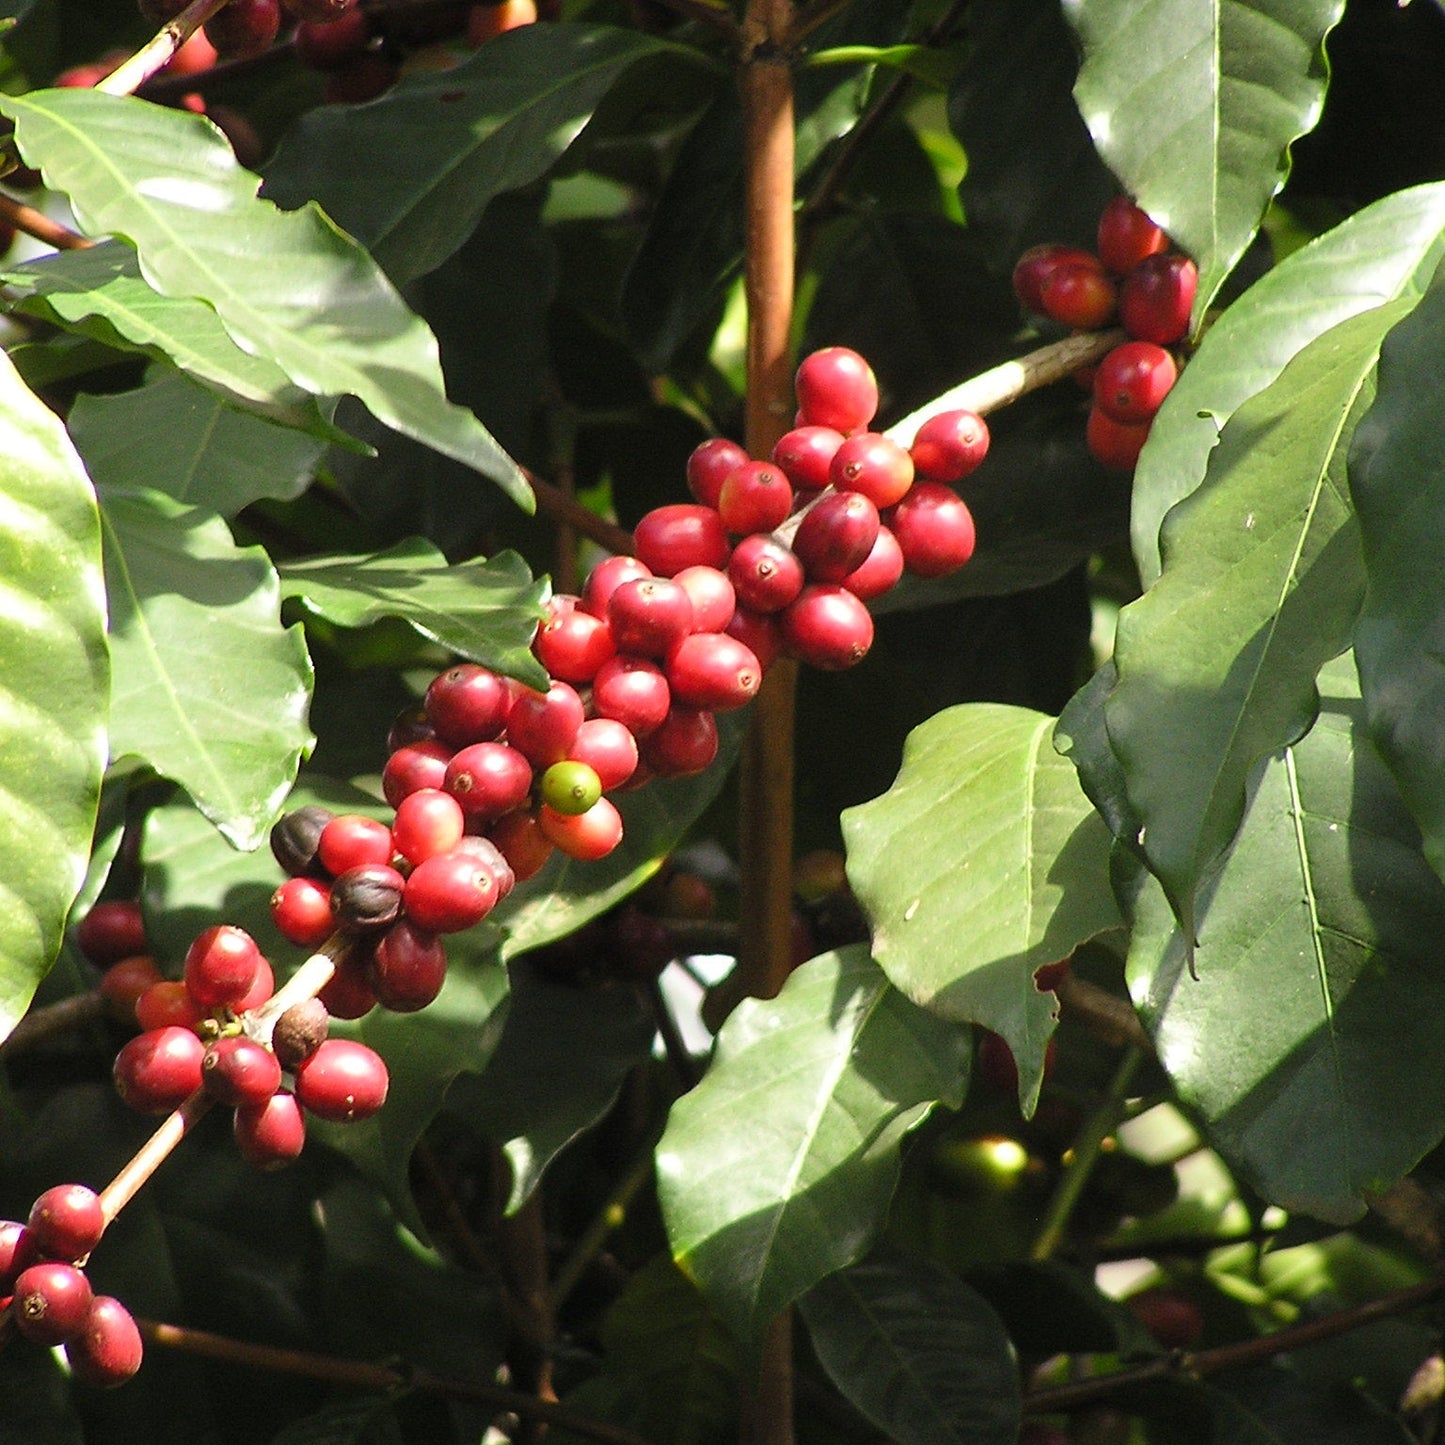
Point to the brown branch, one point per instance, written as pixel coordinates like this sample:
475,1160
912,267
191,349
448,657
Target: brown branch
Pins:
42,227
529,1308
52,1021
553,502
1105,1015
378,1379
1204,1363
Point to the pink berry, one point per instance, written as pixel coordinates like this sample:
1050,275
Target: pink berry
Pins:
836,388
828,628
934,529
949,446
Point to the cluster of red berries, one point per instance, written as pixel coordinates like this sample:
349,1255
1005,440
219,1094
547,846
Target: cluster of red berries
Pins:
47,1297
1136,280
209,1031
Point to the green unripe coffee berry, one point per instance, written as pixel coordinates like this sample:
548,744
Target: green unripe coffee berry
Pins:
570,787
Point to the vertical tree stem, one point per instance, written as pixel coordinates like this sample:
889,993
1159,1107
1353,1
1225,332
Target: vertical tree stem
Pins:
766,822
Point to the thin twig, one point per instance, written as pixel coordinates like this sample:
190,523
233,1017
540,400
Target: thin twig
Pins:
553,502
1236,1356
678,1055
378,1379
52,1020
607,1220
42,227
160,49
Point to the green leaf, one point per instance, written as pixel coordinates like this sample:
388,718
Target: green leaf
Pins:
1275,1404
100,293
1309,1042
1394,467
54,682
483,610
288,285
176,437
1261,586
1195,106
562,1055
917,1351
496,122
1082,736
778,1168
1033,174
208,687
1386,251
982,863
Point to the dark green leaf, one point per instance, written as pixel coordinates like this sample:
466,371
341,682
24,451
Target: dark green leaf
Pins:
99,293
778,1168
1261,585
496,122
209,688
1050,1308
921,1354
924,62
181,439
1272,1405
1393,466
288,285
556,1069
484,610
54,682
1033,174
1238,81
350,1422
982,863
1081,736
1308,1043
1386,251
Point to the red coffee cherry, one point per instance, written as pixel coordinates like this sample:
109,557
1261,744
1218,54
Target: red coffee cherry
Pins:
450,893
348,993
1132,381
649,615
828,628
1038,262
712,596
1083,297
66,1222
708,467
489,779
806,454
320,12
880,571
683,534
766,575
713,671
122,984
836,535
755,498
427,822
168,1004
608,748
51,1302
112,930
301,911
361,78
408,968
17,1252
331,44
949,446
587,836
221,966
572,645
107,1350
836,388
632,691
542,726
467,704
934,529
686,744
1127,236
1174,1319
237,1070
244,27
272,1133
412,767
1157,297
351,840
523,844
606,577
1114,444
159,1070
872,464
342,1081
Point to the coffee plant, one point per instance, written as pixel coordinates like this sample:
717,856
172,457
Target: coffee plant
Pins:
722,720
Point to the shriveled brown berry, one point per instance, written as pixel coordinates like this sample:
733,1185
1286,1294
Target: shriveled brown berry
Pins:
300,1031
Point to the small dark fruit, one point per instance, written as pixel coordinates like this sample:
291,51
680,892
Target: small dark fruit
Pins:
238,1070
112,930
300,1031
